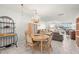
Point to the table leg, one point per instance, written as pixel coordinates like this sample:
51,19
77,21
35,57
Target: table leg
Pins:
41,46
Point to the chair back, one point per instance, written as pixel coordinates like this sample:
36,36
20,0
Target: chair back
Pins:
29,39
30,30
50,39
28,35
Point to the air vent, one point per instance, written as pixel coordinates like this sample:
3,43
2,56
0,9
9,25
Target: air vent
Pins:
61,14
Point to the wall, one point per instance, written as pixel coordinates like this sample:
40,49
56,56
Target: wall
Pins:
20,20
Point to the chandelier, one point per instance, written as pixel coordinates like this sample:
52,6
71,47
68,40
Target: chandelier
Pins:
35,17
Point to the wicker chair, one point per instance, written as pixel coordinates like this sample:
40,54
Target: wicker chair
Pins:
29,41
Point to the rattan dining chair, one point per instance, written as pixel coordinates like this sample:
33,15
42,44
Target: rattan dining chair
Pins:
48,44
29,41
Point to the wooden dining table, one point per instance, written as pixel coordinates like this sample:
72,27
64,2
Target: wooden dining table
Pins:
41,39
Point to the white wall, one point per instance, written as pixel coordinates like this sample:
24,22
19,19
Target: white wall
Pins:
20,20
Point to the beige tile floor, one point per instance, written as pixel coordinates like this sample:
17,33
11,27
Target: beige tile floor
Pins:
68,46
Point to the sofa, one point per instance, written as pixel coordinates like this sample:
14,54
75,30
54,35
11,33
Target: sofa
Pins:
57,37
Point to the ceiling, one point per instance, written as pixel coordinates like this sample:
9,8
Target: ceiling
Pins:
59,12
56,12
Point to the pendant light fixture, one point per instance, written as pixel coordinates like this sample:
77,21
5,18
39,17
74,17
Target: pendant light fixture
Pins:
35,17
22,9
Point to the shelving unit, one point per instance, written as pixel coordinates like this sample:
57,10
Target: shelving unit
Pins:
8,36
77,31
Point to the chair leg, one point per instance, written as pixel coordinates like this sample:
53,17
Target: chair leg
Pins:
41,46
33,49
49,49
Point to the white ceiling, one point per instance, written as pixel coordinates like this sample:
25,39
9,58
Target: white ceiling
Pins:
52,11
44,9
48,11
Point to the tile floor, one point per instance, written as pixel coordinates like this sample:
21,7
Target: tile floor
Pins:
68,46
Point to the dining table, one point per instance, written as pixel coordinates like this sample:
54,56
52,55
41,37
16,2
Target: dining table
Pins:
41,38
